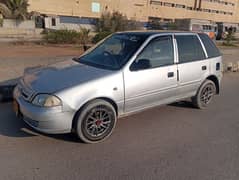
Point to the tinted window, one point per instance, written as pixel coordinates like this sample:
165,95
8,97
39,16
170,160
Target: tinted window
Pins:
212,50
53,22
189,48
159,52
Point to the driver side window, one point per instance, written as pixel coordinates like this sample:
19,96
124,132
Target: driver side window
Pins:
159,52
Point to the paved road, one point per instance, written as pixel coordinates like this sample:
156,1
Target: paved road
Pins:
230,54
168,142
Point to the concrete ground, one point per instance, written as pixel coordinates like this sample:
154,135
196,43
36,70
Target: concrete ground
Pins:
168,142
173,142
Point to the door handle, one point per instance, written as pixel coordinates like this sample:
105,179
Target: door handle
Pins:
170,74
204,68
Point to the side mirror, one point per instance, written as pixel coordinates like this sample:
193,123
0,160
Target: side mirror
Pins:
140,65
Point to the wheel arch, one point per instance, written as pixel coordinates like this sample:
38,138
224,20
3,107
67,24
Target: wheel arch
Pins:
214,79
112,102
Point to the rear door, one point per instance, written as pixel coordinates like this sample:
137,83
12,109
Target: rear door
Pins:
193,66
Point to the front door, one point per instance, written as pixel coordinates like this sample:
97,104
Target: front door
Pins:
152,78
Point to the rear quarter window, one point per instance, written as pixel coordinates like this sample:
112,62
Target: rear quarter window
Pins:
211,48
189,48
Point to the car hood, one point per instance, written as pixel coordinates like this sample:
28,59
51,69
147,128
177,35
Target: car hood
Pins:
60,76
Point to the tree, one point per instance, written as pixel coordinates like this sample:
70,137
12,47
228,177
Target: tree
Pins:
112,22
84,33
228,41
4,10
15,9
84,37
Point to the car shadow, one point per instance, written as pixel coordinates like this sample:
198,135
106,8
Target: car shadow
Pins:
9,82
183,104
10,125
6,90
70,137
7,86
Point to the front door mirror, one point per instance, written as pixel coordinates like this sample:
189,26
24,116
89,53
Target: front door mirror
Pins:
140,65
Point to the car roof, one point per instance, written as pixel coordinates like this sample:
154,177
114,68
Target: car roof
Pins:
150,33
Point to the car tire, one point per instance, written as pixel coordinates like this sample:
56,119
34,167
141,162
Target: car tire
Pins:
96,121
204,95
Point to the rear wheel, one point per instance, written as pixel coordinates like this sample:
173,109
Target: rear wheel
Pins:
96,121
204,95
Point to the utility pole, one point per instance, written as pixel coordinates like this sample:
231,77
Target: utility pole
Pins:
200,4
195,4
147,10
118,6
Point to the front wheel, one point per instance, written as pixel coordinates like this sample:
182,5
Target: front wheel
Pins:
204,95
96,121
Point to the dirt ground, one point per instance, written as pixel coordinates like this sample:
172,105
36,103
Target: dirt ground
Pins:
33,50
15,58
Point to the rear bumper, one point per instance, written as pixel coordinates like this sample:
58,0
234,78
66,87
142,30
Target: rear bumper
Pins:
47,120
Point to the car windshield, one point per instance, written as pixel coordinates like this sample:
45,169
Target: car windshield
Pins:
114,51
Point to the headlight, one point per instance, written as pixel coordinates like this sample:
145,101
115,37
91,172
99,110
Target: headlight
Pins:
46,100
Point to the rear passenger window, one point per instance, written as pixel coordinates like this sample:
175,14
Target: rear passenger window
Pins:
189,48
212,50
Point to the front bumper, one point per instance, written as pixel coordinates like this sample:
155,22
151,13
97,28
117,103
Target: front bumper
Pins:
47,120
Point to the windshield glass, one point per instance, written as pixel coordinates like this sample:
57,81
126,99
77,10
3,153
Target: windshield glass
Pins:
113,52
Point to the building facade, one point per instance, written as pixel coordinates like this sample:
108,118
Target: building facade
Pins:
214,10
142,10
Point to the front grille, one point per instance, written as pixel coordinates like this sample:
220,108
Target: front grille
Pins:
24,95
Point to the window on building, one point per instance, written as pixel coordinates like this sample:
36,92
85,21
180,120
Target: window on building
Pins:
189,48
189,8
156,2
95,7
53,21
180,6
221,2
168,4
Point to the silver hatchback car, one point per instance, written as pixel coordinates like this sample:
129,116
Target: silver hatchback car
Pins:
125,73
